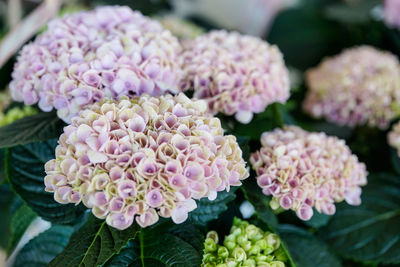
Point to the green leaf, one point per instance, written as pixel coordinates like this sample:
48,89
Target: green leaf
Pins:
126,257
254,195
208,210
305,249
20,221
318,220
94,244
2,169
6,198
270,119
313,33
358,13
369,232
395,159
39,127
42,249
25,170
180,246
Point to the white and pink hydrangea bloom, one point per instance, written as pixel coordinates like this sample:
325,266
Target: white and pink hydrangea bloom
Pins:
359,86
393,137
84,57
141,158
302,170
236,74
391,13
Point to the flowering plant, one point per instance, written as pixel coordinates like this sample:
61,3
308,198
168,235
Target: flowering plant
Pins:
138,136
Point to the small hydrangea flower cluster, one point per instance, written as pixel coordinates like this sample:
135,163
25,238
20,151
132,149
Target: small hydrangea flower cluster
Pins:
303,169
359,86
391,13
394,137
181,28
144,158
246,245
15,114
236,74
83,57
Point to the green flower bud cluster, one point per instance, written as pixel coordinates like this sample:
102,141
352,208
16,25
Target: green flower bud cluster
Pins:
5,100
246,245
15,114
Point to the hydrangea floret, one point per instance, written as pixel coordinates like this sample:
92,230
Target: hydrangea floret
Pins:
394,137
359,86
236,74
246,245
142,158
82,58
181,28
302,170
391,13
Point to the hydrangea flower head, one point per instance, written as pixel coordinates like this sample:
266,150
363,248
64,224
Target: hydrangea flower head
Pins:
359,86
236,74
302,170
246,245
391,13
84,57
141,158
394,137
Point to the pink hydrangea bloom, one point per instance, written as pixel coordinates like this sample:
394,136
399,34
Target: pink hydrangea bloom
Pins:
394,137
107,52
142,158
303,169
391,13
234,73
359,86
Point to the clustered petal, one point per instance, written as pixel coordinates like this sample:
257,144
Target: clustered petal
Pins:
394,137
236,74
302,170
246,245
84,57
391,13
181,28
359,86
142,158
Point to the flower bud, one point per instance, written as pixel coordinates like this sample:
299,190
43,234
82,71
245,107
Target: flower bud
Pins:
280,254
209,258
249,263
273,240
254,250
246,252
239,254
277,264
241,239
223,252
213,235
230,245
210,245
231,263
262,244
